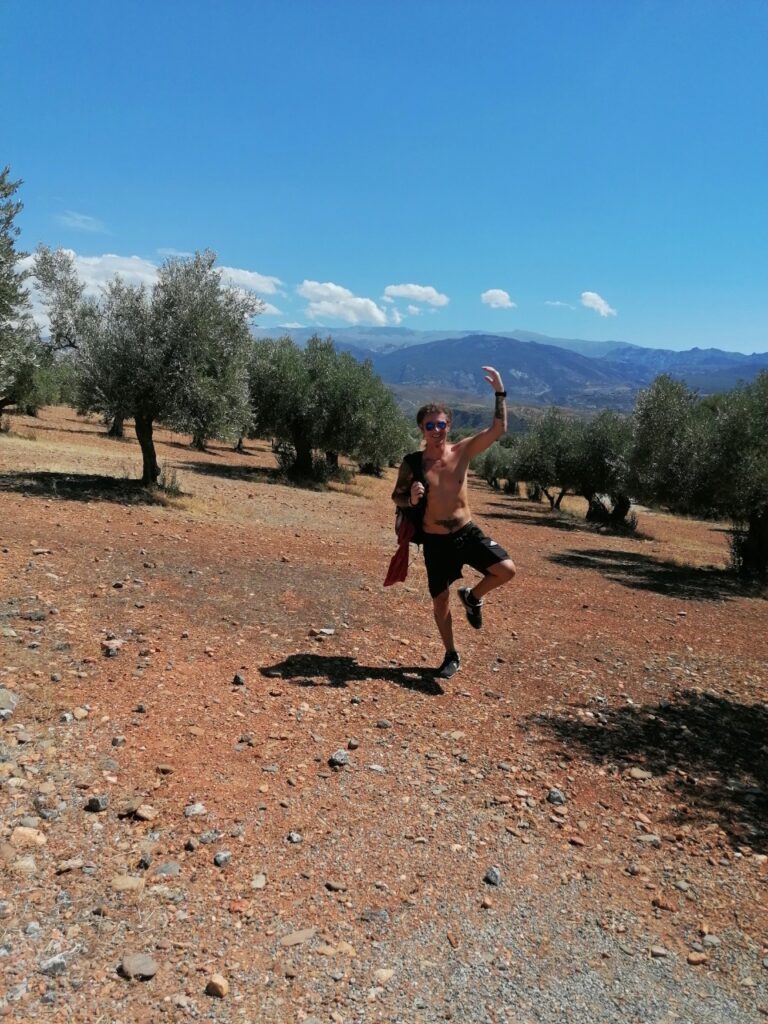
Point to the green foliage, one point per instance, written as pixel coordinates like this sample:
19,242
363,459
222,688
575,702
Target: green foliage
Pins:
175,354
20,348
319,400
497,463
548,454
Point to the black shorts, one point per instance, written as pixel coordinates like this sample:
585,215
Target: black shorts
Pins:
446,553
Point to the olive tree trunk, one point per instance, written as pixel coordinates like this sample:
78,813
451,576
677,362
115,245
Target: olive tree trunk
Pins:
151,470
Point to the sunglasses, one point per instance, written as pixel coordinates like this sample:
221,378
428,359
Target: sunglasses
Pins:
436,424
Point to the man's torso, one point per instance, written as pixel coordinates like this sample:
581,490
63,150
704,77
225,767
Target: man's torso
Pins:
447,507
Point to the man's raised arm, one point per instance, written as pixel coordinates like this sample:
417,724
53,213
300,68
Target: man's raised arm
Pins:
479,442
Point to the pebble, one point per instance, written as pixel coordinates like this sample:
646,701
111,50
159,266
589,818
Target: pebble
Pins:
297,938
259,881
557,797
97,803
338,759
383,723
239,680
640,774
697,958
492,876
222,858
295,837
217,986
138,965
194,810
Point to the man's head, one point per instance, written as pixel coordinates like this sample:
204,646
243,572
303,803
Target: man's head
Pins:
434,422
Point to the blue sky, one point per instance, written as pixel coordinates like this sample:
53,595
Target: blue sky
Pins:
582,169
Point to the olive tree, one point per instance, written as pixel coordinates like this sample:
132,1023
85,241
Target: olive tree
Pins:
20,349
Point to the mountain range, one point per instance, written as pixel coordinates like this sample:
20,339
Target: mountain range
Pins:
536,369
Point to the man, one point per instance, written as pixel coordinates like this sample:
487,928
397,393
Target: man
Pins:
450,538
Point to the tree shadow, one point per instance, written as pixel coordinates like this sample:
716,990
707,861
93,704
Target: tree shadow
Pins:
340,670
81,487
641,572
254,474
712,752
551,520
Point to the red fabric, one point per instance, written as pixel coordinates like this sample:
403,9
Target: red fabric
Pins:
398,567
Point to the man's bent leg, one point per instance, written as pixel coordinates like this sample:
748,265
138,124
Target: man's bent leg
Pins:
442,611
496,576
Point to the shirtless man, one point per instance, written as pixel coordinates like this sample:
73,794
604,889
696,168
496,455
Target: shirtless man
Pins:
451,540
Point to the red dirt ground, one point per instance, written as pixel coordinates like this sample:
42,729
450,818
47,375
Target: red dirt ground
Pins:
605,653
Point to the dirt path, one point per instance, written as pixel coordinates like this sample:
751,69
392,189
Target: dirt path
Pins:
604,747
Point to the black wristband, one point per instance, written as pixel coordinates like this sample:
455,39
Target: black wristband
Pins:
501,394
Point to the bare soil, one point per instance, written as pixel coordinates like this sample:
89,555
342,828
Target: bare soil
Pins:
627,672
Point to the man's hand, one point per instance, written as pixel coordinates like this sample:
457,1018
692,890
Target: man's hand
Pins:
417,492
494,378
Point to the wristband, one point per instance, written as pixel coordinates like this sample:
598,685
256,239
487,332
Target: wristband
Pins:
501,394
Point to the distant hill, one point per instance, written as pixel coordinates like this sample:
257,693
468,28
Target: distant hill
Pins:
537,370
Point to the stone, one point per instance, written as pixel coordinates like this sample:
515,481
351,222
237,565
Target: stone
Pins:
97,804
127,883
27,838
259,881
492,876
297,938
557,797
238,680
194,810
295,837
138,965
696,958
338,759
217,986
640,774
222,858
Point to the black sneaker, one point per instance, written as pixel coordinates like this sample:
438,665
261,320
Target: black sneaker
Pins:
450,666
473,608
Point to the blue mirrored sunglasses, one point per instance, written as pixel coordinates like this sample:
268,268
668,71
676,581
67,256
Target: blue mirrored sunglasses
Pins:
436,424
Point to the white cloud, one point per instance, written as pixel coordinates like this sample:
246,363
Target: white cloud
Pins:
259,283
270,310
328,301
396,316
416,293
558,304
413,311
497,298
594,301
82,222
291,326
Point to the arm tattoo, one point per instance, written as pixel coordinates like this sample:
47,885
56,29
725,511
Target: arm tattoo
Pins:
498,412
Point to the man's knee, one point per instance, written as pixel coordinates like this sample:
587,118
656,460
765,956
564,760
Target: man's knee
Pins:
505,571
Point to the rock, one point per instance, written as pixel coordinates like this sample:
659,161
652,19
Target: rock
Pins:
54,966
335,887
640,774
27,838
353,743
492,876
145,812
127,883
217,986
383,723
295,837
338,759
297,938
383,975
697,958
239,680
118,741
557,797
138,965
710,941
8,702
97,804
659,952
259,881
194,810
222,858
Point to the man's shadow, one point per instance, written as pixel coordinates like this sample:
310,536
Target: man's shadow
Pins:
340,670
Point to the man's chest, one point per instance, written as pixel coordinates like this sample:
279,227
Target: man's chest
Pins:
446,474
